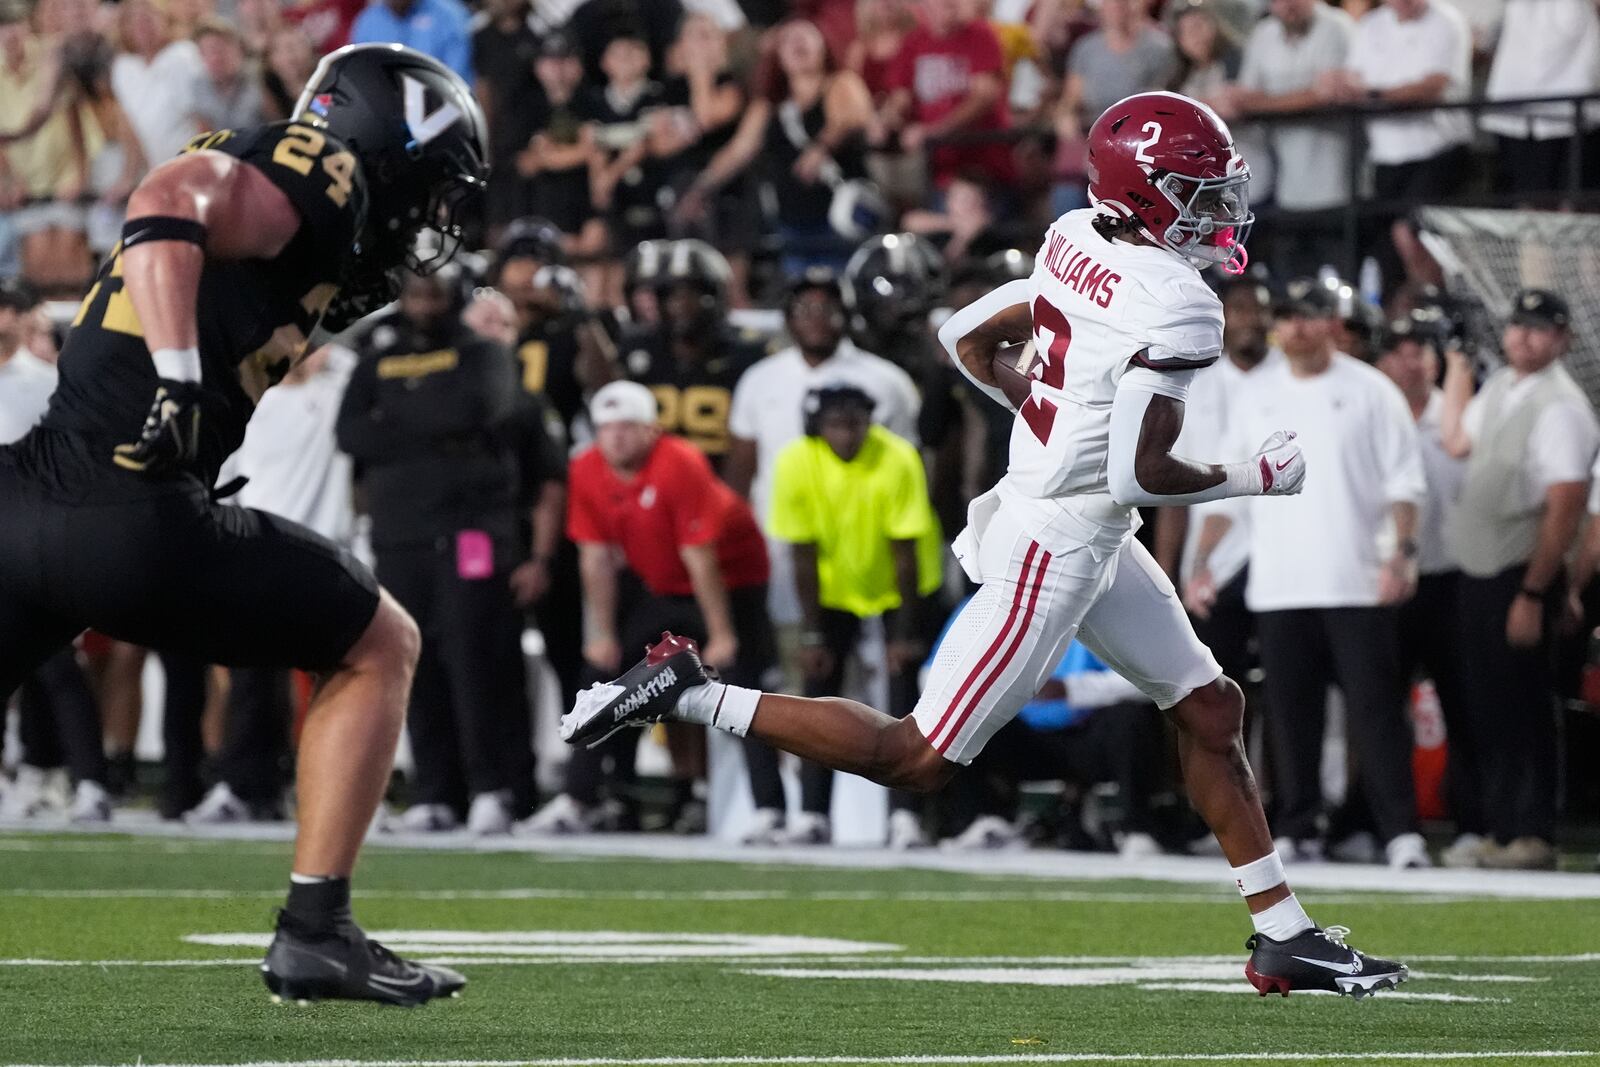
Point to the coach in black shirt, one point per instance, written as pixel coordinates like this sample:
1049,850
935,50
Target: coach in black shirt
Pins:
452,458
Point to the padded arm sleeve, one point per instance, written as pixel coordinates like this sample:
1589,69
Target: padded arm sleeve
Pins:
1134,392
974,314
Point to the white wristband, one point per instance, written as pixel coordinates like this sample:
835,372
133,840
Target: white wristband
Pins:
1244,479
1260,875
177,364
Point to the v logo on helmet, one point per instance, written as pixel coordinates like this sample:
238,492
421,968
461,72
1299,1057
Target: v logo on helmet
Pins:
425,127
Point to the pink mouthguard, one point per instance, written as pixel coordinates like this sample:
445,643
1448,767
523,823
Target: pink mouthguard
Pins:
1238,258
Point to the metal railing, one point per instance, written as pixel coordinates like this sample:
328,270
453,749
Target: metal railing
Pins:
1569,191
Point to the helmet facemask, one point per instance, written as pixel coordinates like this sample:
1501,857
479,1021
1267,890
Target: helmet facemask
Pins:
438,236
1213,221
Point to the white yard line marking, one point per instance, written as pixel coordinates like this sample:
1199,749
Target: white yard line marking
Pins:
130,963
1164,975
718,896
1027,864
497,953
912,1061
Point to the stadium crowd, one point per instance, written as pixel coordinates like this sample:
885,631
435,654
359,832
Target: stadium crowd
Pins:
691,383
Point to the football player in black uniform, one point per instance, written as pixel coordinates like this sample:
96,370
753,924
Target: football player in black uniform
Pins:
693,359
232,255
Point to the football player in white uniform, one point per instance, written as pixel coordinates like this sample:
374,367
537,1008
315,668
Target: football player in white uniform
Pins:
1118,319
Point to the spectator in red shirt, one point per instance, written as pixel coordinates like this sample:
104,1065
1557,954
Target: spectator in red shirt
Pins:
663,544
949,78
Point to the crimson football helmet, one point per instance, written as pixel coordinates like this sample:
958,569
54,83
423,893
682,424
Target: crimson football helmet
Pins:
1168,164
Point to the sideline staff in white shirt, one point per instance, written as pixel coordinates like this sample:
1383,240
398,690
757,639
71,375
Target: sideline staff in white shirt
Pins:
1327,571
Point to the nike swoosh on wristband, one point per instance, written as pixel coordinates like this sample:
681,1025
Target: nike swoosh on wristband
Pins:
1340,968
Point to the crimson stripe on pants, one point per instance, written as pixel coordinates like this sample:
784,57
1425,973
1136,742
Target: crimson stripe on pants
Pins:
1005,660
994,648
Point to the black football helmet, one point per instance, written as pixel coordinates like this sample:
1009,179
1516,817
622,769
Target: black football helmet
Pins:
890,283
696,263
1009,265
531,238
420,136
643,266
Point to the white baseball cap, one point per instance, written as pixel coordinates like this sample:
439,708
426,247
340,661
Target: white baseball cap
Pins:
622,402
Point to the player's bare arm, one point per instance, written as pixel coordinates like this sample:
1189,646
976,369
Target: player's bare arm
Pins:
1146,417
201,205
978,331
241,215
1155,468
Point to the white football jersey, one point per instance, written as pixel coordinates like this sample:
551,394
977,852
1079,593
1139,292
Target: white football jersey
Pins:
1100,307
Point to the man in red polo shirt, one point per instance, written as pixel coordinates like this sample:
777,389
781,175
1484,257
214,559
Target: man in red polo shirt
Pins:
663,544
949,77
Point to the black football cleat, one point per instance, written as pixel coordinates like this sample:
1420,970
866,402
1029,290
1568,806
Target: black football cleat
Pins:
648,693
348,965
1318,959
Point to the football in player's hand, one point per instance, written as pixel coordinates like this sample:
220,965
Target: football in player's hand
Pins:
1011,365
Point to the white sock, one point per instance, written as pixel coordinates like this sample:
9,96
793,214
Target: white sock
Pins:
727,707
309,879
1283,920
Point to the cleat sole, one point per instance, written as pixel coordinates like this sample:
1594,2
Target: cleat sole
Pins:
1362,986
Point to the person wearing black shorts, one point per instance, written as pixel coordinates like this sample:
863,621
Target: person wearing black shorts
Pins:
232,256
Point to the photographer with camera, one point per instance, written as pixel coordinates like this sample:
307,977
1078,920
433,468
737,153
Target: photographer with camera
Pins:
1529,438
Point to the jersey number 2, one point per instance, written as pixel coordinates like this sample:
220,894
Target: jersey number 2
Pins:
1049,365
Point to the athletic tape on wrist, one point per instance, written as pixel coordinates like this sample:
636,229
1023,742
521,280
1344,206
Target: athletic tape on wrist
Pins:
177,364
1260,875
1244,479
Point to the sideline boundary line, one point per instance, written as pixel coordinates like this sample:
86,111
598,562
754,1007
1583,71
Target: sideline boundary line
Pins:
1024,864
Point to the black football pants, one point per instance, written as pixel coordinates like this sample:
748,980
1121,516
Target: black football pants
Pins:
1303,652
469,722
1511,703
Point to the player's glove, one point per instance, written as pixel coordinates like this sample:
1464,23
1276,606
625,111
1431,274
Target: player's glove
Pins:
171,433
1281,465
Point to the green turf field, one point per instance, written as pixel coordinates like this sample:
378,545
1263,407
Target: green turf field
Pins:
121,950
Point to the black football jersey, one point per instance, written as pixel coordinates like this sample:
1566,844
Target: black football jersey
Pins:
694,398
547,366
255,316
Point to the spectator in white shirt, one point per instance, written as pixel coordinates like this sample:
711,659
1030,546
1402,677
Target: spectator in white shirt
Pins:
1285,58
1529,437
767,405
1411,52
1546,48
154,80
1409,353
1328,571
